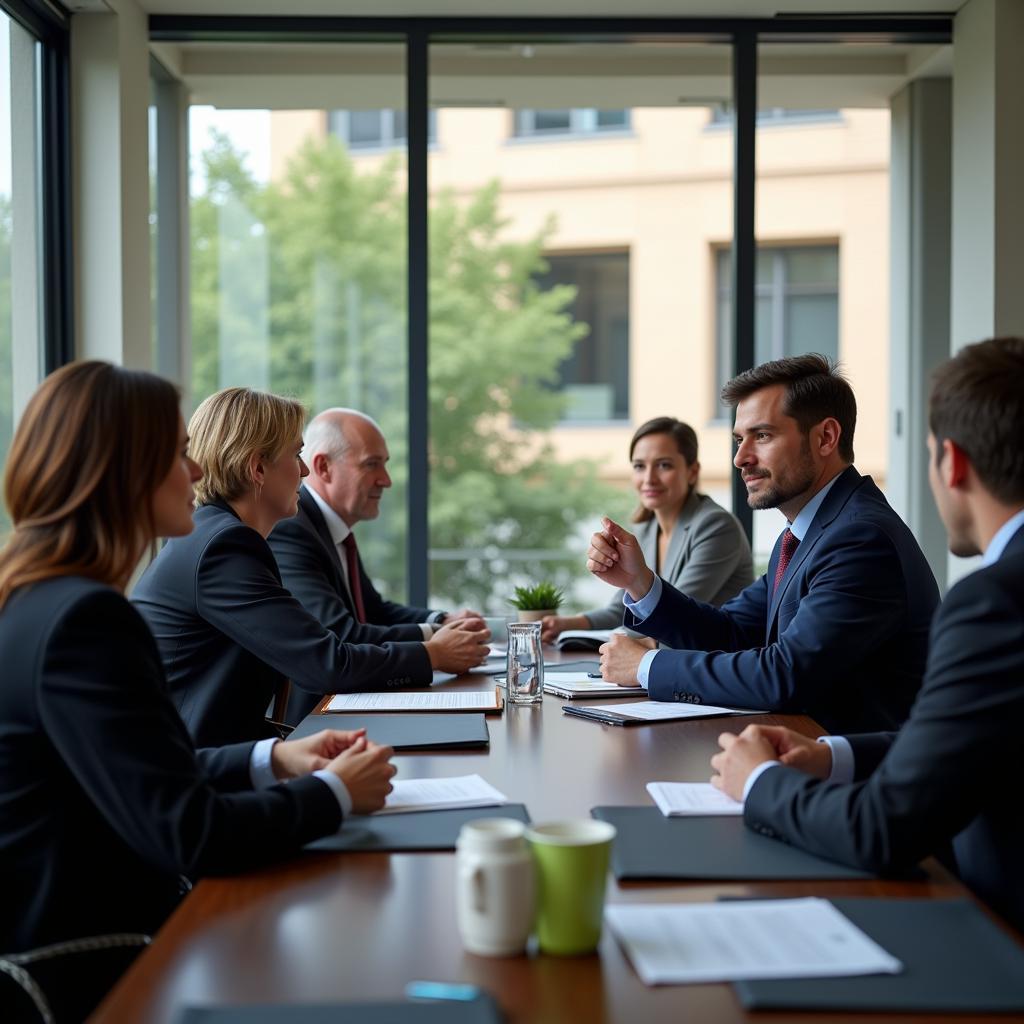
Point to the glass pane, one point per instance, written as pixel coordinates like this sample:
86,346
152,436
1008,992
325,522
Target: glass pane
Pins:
812,323
364,127
572,298
298,263
814,266
612,118
552,120
21,312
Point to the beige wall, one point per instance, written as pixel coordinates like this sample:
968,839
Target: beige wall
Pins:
664,192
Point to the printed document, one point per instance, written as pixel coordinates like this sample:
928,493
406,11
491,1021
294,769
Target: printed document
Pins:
441,794
692,799
734,939
658,711
421,700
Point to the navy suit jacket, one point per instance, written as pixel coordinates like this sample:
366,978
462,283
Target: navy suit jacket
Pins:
952,771
229,633
104,802
844,639
311,569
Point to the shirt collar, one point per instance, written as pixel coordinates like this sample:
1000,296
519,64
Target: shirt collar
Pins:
1005,533
805,517
336,526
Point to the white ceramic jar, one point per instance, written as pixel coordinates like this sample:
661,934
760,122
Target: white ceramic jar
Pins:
494,888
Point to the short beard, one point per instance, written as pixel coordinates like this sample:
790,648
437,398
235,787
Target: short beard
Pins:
803,477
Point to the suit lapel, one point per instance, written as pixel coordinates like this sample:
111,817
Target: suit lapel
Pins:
316,519
842,490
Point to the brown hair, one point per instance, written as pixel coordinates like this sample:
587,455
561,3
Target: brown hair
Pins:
229,428
685,438
815,390
93,445
977,401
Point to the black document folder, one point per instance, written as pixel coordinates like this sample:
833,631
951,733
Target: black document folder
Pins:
481,1010
405,732
649,845
415,830
955,960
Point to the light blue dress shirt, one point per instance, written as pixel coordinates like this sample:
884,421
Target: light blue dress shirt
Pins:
645,606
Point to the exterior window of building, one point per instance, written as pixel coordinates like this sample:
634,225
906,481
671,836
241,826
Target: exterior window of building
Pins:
722,116
595,378
580,121
375,129
797,295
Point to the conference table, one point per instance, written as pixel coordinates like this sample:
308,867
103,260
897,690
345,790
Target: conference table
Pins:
342,927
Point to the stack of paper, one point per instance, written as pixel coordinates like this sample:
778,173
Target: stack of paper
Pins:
579,686
582,639
734,939
692,799
441,794
418,700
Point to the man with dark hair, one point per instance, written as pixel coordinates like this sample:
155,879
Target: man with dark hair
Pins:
885,800
838,628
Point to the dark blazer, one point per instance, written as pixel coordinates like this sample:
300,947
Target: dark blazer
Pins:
708,557
844,639
104,802
229,633
311,569
952,771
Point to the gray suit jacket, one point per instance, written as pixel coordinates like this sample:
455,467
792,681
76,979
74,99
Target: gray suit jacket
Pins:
708,557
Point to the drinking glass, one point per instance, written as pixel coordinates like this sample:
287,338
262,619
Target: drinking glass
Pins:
525,663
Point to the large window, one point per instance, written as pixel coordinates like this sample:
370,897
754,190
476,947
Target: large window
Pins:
21,311
298,261
797,306
595,376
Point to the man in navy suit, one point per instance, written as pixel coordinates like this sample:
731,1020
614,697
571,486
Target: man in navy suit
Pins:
838,627
883,801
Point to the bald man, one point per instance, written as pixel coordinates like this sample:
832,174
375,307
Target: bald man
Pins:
320,564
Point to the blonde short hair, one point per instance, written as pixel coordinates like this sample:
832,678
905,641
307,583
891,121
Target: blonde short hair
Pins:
229,428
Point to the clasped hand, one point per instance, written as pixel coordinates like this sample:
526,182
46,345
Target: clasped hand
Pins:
741,754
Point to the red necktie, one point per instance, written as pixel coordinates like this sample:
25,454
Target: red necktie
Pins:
790,542
354,586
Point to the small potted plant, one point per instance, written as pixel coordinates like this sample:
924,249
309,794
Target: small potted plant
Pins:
536,602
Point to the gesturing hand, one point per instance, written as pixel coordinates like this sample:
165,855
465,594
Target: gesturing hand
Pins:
615,557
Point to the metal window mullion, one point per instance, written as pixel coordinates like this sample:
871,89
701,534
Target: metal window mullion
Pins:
744,246
418,426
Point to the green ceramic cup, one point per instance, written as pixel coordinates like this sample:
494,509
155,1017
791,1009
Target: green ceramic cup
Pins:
572,870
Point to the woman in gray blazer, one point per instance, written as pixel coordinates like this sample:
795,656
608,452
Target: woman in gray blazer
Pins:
692,542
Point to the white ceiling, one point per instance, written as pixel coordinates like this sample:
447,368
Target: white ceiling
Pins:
530,8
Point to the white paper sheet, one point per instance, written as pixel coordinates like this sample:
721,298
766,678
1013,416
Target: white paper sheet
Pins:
692,799
726,941
441,794
421,700
656,710
579,684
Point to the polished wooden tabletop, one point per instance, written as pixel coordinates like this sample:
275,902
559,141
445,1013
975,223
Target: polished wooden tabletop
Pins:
356,926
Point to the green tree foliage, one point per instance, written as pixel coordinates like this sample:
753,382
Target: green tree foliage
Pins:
303,281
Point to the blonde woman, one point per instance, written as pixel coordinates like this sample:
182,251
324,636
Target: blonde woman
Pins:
229,632
106,803
692,542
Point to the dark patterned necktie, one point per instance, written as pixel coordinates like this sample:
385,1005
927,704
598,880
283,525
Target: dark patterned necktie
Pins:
354,586
790,542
